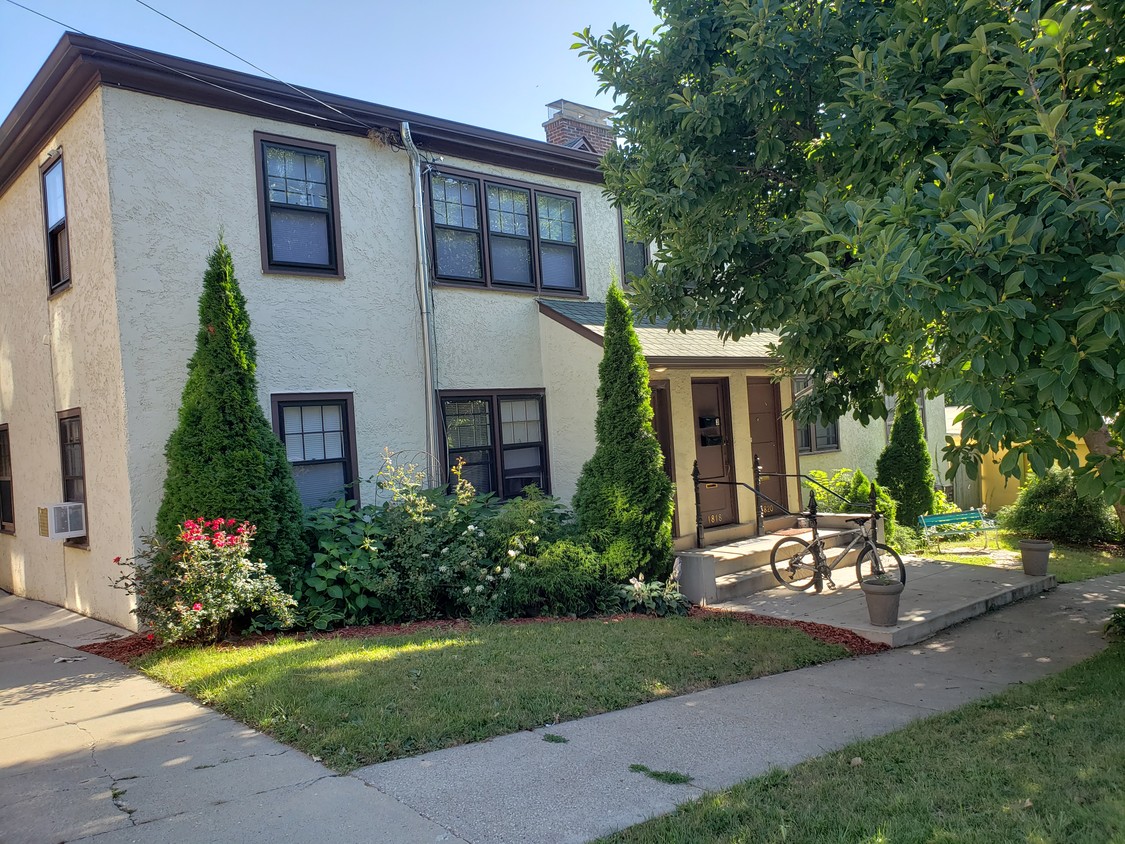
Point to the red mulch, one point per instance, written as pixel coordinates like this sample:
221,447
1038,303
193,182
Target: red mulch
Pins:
138,645
856,644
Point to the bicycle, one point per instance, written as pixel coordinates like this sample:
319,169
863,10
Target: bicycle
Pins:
798,564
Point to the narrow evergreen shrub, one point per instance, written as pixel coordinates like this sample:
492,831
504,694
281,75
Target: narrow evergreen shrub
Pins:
854,486
1052,508
624,499
904,467
223,457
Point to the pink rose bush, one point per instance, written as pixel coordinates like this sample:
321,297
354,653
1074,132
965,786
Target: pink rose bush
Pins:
204,584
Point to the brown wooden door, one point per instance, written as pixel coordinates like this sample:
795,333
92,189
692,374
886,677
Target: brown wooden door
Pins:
765,438
711,403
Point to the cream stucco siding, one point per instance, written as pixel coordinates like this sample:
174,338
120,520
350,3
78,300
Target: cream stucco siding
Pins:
61,353
181,175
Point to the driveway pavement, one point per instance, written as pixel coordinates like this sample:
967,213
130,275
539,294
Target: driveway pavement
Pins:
92,751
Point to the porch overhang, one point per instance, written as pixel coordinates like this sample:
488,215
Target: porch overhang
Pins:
663,347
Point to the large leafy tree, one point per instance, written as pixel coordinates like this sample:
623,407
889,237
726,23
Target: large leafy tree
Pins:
918,195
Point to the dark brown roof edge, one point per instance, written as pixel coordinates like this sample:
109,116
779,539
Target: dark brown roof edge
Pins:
79,63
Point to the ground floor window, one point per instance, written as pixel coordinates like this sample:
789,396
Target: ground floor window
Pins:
501,437
813,436
7,509
318,432
73,460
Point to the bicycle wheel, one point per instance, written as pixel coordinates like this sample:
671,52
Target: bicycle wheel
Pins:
884,560
793,563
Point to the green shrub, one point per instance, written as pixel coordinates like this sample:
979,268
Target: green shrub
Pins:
566,579
203,584
223,457
653,597
521,524
854,486
624,498
904,468
1051,507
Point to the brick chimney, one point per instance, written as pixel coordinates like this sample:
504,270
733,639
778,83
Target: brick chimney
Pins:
579,127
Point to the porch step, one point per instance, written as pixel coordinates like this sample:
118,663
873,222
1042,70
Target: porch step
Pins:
739,584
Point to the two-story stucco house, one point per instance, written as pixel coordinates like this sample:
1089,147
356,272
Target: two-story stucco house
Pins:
414,284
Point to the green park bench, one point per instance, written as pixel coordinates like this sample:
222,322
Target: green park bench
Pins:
944,525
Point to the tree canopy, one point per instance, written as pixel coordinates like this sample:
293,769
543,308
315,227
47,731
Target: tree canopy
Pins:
917,195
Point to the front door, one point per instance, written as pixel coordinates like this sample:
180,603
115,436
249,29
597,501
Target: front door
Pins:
765,439
711,403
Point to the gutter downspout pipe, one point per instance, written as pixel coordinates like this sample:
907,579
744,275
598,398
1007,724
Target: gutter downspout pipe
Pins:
425,310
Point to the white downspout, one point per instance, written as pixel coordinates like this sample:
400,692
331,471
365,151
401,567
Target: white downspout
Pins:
425,310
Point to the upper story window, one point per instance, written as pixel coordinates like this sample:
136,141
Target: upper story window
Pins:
813,436
504,234
892,403
7,509
298,206
58,242
634,253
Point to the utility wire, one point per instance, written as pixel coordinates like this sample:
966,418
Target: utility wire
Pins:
192,76
251,64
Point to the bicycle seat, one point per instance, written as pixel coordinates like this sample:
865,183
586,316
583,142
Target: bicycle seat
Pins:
862,520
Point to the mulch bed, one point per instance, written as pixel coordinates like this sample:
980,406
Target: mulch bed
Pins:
134,647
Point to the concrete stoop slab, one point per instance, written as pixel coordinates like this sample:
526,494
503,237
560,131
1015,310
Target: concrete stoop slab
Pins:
937,595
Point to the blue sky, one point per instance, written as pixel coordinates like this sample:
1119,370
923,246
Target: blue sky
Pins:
491,63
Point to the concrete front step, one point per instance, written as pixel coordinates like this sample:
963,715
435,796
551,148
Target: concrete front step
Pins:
738,584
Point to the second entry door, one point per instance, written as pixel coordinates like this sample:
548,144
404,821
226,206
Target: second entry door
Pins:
765,438
713,450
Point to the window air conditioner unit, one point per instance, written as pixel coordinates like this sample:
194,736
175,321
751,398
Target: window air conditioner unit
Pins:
63,521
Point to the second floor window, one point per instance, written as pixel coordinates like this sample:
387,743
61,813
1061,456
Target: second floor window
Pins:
58,241
299,209
813,436
634,253
502,234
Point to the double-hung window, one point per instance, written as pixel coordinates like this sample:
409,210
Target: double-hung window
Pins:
58,240
813,436
634,253
892,404
298,206
504,234
73,461
7,508
501,439
317,430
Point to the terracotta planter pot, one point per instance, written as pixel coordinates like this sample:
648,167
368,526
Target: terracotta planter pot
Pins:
1035,553
882,602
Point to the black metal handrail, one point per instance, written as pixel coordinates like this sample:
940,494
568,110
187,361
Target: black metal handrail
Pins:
760,496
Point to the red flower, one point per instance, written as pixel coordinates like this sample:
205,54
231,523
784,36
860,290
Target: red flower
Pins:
117,560
197,606
150,637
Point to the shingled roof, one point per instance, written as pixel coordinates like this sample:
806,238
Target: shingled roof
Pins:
662,345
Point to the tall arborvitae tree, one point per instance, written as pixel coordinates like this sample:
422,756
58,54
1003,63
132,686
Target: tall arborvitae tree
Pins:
223,458
904,467
624,498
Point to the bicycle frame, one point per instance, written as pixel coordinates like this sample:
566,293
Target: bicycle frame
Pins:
861,539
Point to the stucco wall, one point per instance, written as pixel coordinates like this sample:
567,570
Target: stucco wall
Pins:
57,354
860,446
180,175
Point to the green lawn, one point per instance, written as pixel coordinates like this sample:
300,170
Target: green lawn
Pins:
1039,763
353,702
1068,563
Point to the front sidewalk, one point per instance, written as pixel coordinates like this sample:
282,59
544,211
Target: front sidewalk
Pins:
92,751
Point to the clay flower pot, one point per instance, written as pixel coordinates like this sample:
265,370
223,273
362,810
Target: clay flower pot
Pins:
883,594
1035,553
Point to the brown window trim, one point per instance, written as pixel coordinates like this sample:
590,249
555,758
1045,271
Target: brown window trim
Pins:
536,288
493,397
622,241
351,455
53,290
75,413
8,527
337,246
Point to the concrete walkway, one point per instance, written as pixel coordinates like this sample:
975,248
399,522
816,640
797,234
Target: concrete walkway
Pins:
92,751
